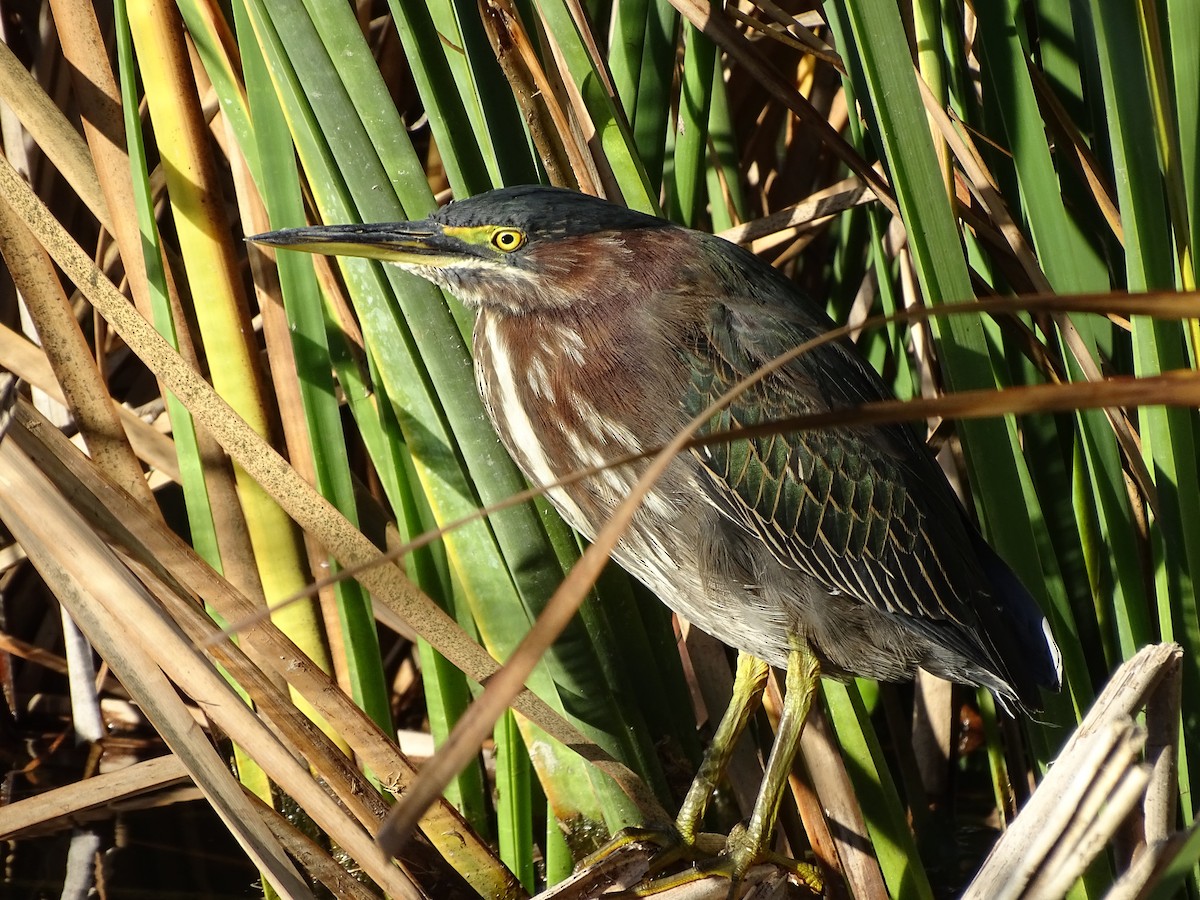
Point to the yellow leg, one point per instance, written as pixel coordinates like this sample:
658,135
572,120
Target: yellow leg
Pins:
751,845
748,682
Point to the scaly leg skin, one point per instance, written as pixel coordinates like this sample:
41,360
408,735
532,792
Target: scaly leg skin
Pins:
748,682
750,845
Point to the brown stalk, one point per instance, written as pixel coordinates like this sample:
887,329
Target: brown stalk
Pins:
822,759
801,28
315,859
50,130
1175,388
68,352
99,102
593,169
827,202
32,653
297,731
1099,773
67,805
777,33
544,117
810,803
1081,156
28,361
713,23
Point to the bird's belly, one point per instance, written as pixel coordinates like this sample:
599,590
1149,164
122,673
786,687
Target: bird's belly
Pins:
734,615
665,548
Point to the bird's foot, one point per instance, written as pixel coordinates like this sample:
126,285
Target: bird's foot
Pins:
627,860
741,860
631,858
664,846
655,841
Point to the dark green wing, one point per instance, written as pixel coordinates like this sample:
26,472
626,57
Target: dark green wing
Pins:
863,511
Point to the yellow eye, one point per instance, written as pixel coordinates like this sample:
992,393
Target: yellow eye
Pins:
506,240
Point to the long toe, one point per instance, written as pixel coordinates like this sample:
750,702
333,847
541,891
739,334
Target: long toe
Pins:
636,856
713,881
743,870
744,853
654,842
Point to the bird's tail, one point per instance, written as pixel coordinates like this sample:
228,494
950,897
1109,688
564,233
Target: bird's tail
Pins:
1018,631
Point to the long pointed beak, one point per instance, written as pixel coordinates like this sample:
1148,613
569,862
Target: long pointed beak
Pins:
399,242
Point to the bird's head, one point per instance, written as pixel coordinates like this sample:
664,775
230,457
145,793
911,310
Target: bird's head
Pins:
516,250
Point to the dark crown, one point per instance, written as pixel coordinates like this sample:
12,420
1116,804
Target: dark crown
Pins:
544,211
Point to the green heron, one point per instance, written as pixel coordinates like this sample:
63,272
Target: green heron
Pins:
600,331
